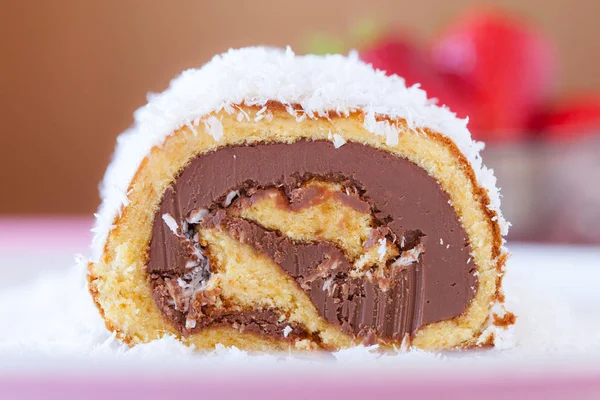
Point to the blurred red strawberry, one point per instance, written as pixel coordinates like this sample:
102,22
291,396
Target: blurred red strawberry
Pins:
396,54
510,67
571,118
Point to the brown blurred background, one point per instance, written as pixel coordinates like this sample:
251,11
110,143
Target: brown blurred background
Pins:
73,71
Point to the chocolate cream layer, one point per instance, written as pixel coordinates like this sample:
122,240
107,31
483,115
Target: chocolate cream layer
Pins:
404,200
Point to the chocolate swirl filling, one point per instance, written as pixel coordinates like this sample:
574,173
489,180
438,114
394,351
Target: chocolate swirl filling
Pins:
438,284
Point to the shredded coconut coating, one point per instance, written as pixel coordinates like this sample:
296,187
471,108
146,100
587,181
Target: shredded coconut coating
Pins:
256,75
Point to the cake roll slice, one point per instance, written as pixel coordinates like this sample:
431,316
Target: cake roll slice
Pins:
271,201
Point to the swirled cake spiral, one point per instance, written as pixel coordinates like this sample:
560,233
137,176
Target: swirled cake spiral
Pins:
271,201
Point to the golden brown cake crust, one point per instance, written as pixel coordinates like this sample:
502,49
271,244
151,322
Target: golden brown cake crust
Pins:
123,261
